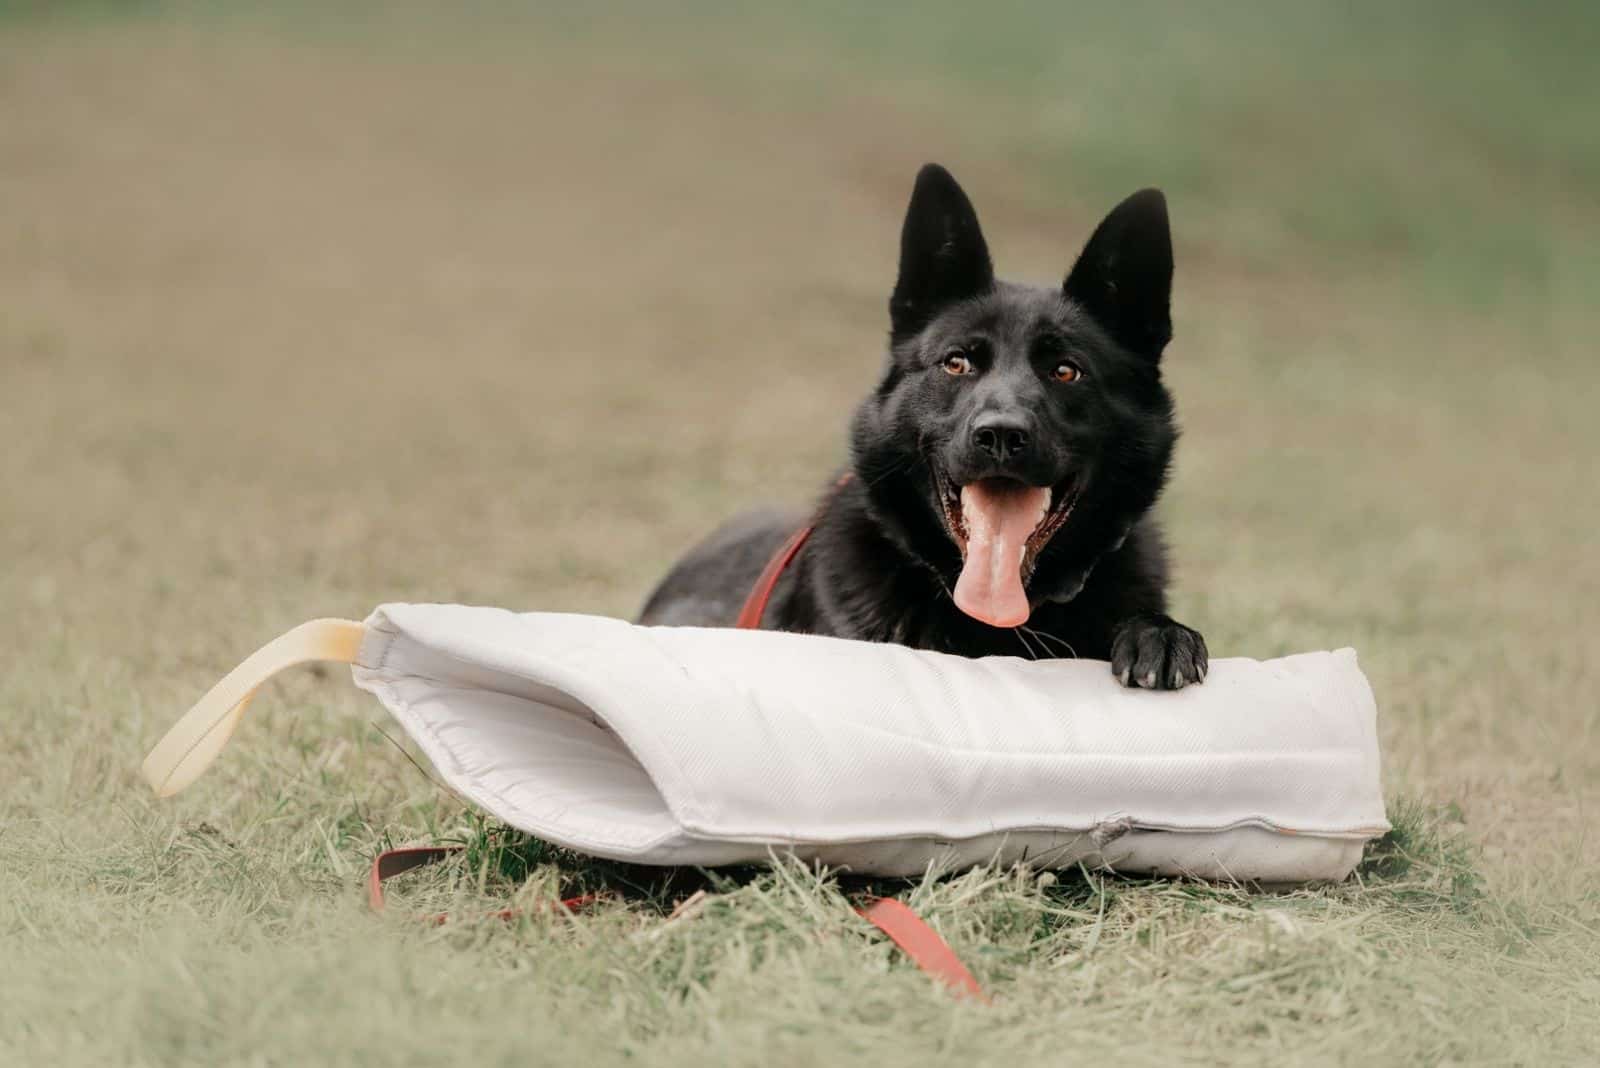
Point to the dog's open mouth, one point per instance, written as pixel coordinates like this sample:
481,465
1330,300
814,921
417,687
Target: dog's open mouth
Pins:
1000,525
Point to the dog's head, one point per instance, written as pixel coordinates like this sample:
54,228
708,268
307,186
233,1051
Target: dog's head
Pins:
1018,432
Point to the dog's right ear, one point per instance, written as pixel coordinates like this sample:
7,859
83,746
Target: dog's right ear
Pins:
943,257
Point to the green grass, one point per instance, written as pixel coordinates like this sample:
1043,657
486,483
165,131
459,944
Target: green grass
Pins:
304,310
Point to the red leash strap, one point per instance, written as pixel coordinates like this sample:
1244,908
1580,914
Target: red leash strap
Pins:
905,928
394,862
922,944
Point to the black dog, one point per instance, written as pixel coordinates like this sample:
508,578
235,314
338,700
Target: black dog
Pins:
1001,473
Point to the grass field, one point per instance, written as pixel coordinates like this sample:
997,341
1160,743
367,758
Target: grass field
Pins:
304,312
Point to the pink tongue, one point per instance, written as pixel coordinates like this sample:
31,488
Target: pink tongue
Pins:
1000,516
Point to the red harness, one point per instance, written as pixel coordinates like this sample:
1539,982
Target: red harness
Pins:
755,605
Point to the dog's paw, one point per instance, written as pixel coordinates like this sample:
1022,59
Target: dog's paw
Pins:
1158,653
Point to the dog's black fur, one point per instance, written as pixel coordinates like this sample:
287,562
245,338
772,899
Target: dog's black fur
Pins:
972,390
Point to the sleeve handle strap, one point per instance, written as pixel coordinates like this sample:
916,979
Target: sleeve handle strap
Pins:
196,739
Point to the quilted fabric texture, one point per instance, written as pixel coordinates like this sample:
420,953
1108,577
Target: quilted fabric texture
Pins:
678,745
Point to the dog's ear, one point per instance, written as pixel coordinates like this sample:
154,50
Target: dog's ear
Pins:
1123,278
943,257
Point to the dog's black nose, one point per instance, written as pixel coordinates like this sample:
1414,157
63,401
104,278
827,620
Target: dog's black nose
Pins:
1004,437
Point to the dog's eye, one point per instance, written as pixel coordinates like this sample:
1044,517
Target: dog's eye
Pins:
957,363
1066,372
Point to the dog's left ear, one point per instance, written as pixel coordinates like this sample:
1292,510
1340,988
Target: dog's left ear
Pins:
1123,278
943,257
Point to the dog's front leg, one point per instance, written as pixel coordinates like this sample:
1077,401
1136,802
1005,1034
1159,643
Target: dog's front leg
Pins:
1158,653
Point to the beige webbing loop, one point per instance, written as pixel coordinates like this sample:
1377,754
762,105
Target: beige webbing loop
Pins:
196,739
